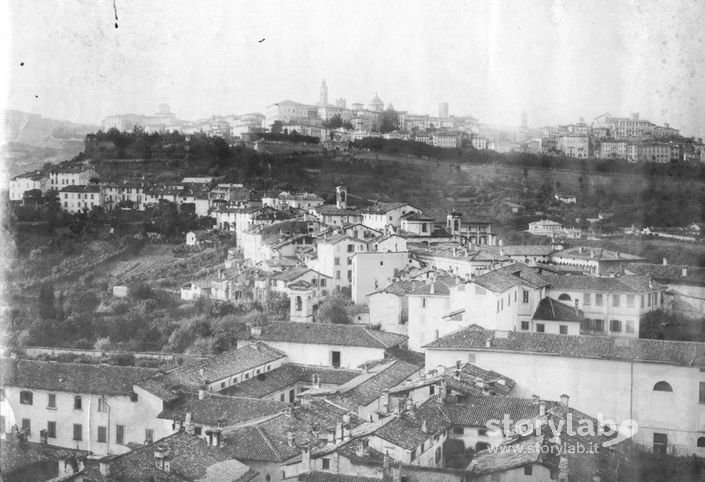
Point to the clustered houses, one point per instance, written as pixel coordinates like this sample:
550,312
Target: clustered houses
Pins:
609,137
283,407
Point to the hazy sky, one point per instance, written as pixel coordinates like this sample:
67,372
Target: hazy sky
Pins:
558,60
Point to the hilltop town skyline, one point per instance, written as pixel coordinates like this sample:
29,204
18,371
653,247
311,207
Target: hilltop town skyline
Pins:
556,61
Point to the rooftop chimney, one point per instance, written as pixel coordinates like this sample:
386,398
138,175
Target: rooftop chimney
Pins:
255,331
424,426
201,394
542,407
564,400
188,425
290,438
665,262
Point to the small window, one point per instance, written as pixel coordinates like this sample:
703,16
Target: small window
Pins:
615,326
524,326
77,432
26,397
563,329
663,387
598,299
77,403
586,299
197,430
458,430
119,434
102,405
615,301
51,429
51,403
102,434
148,436
325,465
540,328
630,326
528,470
701,442
26,425
564,297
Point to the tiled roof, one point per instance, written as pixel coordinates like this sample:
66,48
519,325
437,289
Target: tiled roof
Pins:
383,208
92,188
268,440
332,210
191,459
331,477
477,410
553,310
497,281
15,454
286,376
526,274
441,287
160,388
368,387
598,254
329,334
529,250
527,451
621,284
74,377
681,353
224,365
337,238
669,273
400,288
491,380
405,430
216,408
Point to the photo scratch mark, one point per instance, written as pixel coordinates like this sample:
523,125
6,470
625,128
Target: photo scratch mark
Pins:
262,40
115,10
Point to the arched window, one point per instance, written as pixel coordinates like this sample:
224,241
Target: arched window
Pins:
701,442
564,297
299,303
663,387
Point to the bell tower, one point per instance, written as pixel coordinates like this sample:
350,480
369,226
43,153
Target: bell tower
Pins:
323,98
341,196
454,222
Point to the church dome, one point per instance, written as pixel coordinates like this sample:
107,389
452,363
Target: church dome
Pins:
376,103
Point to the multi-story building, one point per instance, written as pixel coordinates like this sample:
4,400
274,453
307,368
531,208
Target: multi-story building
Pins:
575,146
613,149
99,408
335,258
70,175
610,306
660,152
123,194
27,182
288,111
80,198
480,143
659,384
387,214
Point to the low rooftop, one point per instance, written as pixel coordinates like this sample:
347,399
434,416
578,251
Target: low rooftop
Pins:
81,378
475,338
329,334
